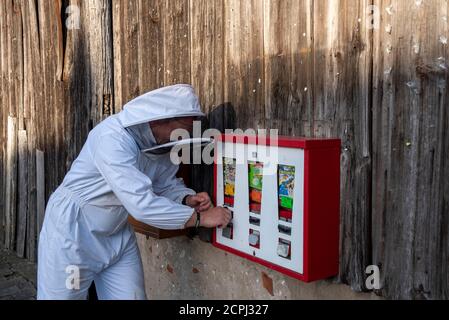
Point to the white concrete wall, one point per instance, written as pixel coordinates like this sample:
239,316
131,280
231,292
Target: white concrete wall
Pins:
185,269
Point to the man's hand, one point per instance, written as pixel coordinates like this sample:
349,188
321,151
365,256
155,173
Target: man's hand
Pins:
200,202
216,217
212,218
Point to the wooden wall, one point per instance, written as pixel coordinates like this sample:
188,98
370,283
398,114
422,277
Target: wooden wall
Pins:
306,67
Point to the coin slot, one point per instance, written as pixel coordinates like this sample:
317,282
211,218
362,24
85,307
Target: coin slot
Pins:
285,230
254,221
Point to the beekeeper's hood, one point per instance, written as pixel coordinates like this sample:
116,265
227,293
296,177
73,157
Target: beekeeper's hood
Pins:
164,103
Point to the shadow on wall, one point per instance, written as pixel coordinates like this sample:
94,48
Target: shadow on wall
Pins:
221,118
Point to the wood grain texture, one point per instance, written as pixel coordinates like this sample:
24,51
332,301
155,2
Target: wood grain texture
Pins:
31,192
305,67
40,190
244,62
130,48
207,51
22,191
11,184
342,108
88,76
3,119
138,48
51,88
176,42
150,62
117,45
410,130
288,66
31,96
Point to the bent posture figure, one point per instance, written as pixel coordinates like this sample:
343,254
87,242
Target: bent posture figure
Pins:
85,235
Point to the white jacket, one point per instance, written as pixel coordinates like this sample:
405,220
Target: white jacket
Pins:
86,217
113,178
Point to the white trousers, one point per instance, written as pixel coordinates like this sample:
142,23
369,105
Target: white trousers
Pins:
120,281
71,257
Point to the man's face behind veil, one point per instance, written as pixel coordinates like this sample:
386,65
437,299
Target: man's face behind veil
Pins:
162,129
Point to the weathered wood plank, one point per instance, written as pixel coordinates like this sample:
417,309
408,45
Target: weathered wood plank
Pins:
410,126
176,42
22,193
97,19
126,26
60,112
117,45
30,124
444,27
342,103
31,193
288,66
50,29
244,75
37,121
46,11
36,104
11,184
88,75
27,61
207,77
15,57
59,50
4,116
73,101
40,189
207,51
19,77
383,93
150,45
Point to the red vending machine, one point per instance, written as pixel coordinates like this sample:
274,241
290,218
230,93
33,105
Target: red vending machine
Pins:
285,197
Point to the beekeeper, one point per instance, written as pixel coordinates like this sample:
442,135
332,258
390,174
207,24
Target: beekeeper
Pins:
85,235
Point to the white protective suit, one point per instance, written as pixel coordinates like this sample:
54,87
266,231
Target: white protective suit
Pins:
85,231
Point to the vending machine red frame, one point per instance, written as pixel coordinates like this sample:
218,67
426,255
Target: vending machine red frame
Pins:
321,205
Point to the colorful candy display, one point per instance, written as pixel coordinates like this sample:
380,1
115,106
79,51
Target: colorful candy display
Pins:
286,178
255,181
229,167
